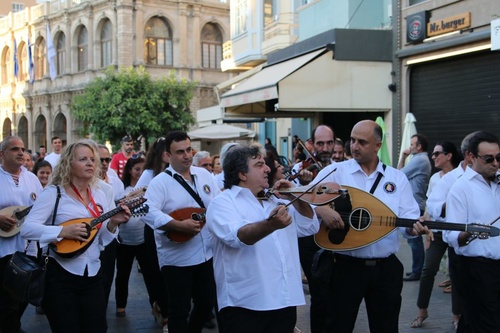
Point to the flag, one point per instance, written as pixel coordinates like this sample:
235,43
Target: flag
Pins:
51,55
16,64
31,69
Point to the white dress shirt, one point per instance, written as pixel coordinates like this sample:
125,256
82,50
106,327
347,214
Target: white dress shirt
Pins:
472,200
394,191
165,195
263,276
440,191
53,159
38,226
145,179
23,194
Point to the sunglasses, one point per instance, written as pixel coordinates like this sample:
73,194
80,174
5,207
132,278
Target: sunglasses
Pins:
106,159
489,159
437,153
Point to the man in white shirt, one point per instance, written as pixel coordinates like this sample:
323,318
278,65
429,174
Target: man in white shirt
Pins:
474,198
186,259
202,159
53,158
371,272
20,187
256,257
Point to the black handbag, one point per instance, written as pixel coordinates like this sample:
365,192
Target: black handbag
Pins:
25,275
25,278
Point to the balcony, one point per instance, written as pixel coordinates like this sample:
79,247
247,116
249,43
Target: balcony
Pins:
234,61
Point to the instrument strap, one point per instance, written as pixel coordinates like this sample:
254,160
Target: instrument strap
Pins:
95,211
188,188
379,177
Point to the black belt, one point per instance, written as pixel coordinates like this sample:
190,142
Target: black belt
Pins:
360,261
485,260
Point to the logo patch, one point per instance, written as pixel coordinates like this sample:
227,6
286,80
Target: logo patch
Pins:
390,187
206,189
33,196
99,208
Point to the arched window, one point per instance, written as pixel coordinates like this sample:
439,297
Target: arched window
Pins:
83,49
23,61
106,44
158,43
211,46
6,65
40,61
61,53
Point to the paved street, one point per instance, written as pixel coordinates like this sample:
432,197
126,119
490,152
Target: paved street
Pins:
139,318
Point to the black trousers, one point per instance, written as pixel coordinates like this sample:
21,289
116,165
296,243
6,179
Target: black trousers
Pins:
378,282
74,303
10,311
108,257
155,284
479,284
241,320
185,284
318,289
125,255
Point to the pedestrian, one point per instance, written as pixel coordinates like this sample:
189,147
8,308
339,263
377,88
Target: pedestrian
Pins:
43,170
120,158
74,292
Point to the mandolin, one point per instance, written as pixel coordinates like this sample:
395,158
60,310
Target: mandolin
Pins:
195,213
69,248
137,193
367,220
16,212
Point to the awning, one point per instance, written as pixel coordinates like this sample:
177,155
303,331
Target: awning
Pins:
314,82
263,85
221,132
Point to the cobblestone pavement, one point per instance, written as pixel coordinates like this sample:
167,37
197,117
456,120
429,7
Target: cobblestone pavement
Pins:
140,320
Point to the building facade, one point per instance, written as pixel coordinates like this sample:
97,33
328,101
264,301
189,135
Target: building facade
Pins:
306,66
448,72
90,35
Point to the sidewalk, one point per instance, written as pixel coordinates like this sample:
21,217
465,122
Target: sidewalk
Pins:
140,320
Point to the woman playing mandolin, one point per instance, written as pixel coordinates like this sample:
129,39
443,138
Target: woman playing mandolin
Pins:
74,293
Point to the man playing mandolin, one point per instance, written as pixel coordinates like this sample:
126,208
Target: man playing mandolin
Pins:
20,187
372,272
182,242
256,259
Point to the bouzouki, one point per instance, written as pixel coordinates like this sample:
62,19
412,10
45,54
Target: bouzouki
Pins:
195,213
16,212
367,220
69,248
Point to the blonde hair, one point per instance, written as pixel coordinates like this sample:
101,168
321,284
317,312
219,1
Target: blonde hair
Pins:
62,172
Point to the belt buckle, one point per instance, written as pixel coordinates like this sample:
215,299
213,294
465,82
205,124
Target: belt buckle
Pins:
371,263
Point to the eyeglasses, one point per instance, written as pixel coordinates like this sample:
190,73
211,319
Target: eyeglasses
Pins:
204,165
138,155
160,139
106,159
437,153
489,159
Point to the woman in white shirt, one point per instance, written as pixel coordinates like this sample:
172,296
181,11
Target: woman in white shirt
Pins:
74,293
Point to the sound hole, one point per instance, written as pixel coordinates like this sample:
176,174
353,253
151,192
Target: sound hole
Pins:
360,219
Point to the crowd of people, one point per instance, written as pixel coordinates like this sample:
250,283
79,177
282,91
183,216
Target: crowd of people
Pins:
226,240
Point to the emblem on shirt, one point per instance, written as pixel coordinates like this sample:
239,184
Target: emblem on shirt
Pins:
33,196
99,208
206,189
390,187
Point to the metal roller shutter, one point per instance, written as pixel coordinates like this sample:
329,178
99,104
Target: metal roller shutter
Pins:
456,96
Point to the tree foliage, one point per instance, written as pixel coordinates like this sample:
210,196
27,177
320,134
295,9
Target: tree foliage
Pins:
128,101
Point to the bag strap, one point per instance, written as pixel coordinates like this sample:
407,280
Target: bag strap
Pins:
53,220
379,177
186,186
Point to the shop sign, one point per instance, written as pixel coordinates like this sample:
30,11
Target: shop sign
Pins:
449,24
495,35
415,27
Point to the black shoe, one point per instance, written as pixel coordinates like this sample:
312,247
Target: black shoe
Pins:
408,273
412,277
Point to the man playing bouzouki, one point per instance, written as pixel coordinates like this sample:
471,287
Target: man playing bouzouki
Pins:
186,266
373,272
19,188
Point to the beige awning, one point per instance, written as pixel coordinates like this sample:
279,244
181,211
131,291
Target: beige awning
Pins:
263,85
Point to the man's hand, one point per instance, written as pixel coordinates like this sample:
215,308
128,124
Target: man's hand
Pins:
7,222
329,217
279,218
418,229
